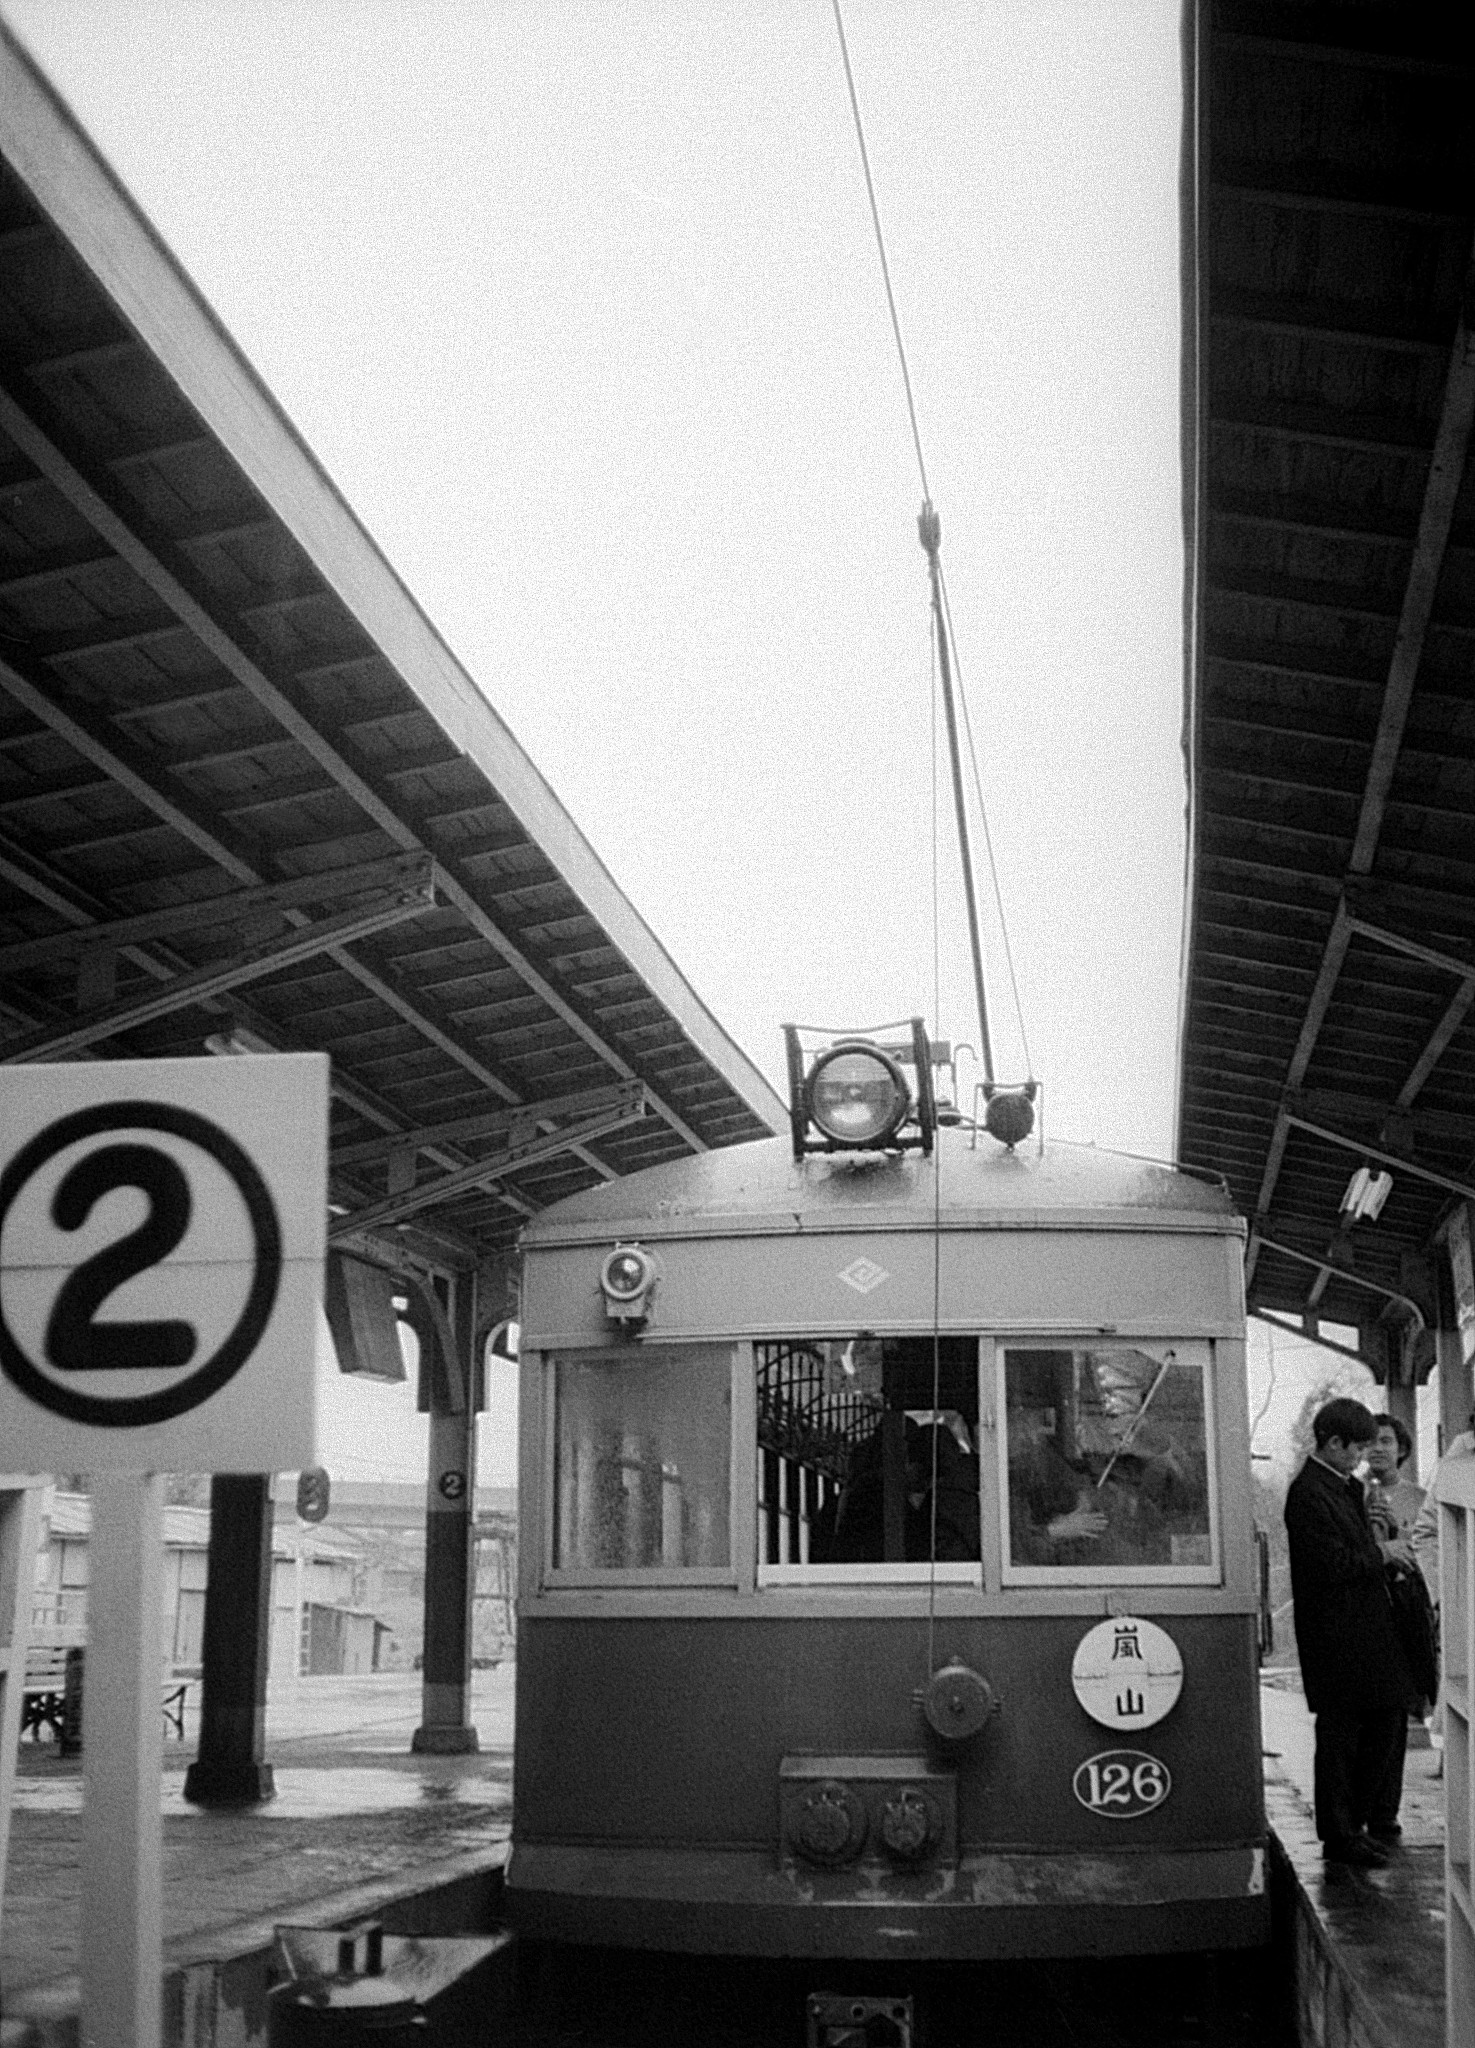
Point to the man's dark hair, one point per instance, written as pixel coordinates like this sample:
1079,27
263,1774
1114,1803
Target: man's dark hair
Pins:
1405,1441
1346,1419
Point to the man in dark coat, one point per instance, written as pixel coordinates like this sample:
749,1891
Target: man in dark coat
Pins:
1357,1680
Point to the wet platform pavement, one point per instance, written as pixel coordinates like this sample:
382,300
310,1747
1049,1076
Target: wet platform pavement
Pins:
1369,1946
356,1821
359,1824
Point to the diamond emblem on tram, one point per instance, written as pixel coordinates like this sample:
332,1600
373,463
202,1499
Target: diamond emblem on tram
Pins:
863,1275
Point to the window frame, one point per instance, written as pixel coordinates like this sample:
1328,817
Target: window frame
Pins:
968,1573
554,1577
1035,1577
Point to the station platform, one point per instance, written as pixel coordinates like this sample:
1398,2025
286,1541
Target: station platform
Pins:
1364,1948
358,1827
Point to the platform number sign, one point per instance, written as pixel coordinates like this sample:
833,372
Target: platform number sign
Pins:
161,1244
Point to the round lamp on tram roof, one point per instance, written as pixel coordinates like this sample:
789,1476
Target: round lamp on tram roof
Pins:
857,1095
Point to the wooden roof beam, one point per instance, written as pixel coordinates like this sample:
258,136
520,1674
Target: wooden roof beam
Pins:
57,791
1326,425
1446,468
1324,529
1313,319
166,707
55,565
1295,591
1338,54
1329,193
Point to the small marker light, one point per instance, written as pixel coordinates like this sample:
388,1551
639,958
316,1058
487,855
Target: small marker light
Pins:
1009,1117
626,1279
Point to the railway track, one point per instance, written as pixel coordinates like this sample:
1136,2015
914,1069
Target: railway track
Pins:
593,1998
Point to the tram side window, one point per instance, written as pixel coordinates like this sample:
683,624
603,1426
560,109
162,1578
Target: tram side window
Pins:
858,1439
642,1460
1108,1458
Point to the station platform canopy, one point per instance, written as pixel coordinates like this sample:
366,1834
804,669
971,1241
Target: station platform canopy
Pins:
249,800
1328,1014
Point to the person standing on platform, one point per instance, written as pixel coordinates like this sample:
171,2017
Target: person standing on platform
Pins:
1393,1502
1393,1506
1357,1681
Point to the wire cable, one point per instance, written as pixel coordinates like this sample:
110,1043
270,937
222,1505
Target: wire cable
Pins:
865,162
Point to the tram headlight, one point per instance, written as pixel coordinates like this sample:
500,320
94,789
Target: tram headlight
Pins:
857,1095
627,1279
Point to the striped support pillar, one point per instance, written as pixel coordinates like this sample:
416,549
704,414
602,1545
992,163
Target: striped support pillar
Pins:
450,1486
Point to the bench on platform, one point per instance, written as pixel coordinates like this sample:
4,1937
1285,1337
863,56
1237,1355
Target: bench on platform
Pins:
44,1694
43,1691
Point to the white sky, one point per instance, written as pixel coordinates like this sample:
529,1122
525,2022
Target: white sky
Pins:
580,307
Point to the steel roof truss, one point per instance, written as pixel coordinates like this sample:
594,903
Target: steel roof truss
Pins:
512,1159
249,965
487,1124
237,907
1286,1251
1351,1143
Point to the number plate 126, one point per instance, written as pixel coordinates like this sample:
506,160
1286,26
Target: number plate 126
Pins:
1122,1784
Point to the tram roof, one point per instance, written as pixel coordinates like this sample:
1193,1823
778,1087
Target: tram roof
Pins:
1328,1013
763,1188
247,792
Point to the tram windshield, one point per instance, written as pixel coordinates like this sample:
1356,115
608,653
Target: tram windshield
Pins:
869,1461
868,1451
642,1460
1107,1458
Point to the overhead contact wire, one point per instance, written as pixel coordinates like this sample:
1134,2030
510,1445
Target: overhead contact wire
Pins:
865,163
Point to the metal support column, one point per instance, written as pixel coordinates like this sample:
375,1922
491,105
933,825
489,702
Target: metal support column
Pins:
230,1768
446,1729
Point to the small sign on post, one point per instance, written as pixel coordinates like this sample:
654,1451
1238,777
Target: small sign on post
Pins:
162,1232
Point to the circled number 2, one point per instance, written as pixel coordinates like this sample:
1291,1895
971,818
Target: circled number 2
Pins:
75,1342
1122,1784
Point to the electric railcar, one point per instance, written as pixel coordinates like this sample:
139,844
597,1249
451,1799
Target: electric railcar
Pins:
888,1564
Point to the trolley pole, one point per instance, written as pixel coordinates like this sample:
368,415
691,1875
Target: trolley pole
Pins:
929,526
